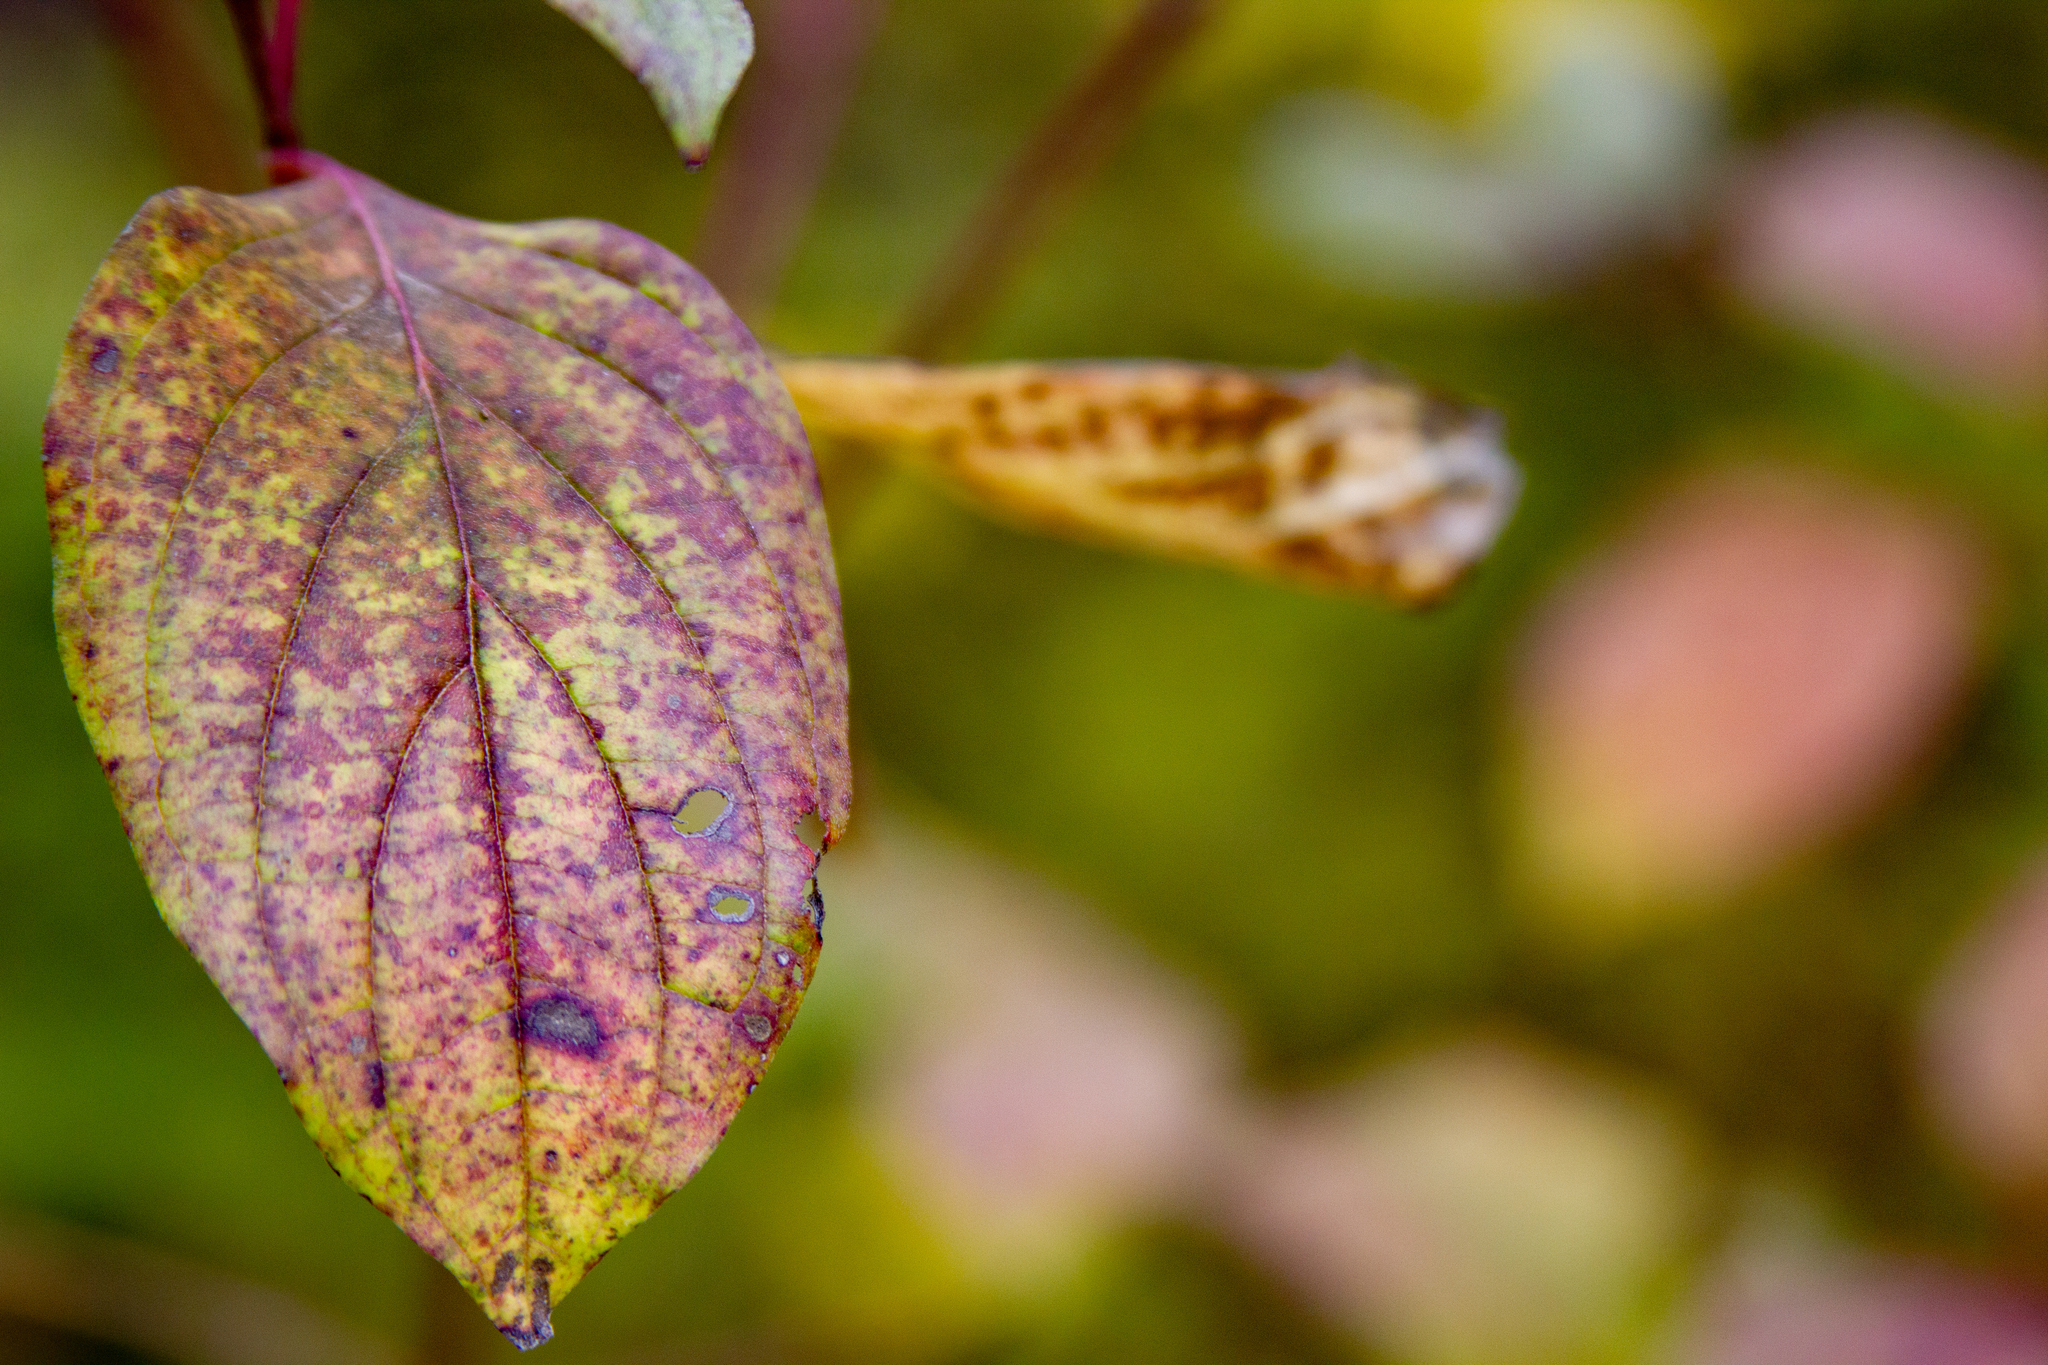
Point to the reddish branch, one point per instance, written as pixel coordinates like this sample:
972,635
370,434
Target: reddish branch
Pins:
270,50
1072,143
280,64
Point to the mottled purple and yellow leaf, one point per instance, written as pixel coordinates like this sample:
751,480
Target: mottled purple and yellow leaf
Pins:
413,576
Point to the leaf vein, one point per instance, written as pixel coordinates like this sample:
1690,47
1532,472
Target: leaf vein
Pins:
732,494
170,532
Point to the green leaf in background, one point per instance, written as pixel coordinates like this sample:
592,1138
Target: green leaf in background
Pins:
689,54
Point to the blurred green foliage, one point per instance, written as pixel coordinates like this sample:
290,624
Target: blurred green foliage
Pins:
1295,799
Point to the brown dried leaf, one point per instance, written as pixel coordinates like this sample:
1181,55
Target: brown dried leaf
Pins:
1338,478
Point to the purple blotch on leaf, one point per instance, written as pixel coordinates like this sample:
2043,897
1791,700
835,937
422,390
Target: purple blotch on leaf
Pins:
563,1022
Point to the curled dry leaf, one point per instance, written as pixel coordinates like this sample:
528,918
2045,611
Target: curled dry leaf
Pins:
1336,478
690,54
415,576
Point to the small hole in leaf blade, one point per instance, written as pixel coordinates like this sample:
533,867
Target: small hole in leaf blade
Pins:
811,830
732,907
705,807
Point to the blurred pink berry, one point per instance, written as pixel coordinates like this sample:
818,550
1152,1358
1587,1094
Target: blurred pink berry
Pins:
1038,1081
1476,1202
1985,1040
1746,672
1906,238
1779,1309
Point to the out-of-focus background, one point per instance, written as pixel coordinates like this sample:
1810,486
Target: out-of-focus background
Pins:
1643,958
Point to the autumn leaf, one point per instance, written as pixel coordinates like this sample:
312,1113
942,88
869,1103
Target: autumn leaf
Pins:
451,607
690,54
1339,479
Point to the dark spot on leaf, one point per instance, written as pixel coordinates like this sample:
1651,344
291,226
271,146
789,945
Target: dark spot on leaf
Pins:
701,811
563,1022
758,1026
731,907
376,1085
551,1159
540,1334
502,1276
350,433
814,901
106,356
543,1308
91,652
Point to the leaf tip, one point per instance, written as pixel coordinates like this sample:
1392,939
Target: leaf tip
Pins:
526,1339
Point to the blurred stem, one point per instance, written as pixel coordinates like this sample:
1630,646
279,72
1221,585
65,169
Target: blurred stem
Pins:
270,56
203,133
111,1290
281,63
777,143
1072,143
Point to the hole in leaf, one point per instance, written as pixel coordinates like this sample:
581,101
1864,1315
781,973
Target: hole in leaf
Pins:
704,808
732,907
811,830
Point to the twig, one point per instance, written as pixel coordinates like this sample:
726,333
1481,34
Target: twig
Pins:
281,64
270,66
1073,142
204,134
777,143
116,1291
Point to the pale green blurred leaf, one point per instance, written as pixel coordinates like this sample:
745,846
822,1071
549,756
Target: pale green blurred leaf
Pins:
689,54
